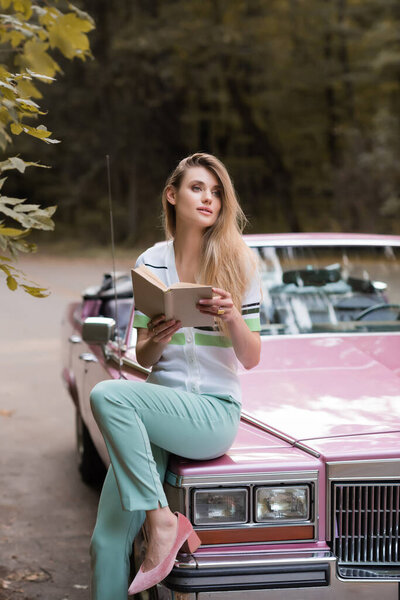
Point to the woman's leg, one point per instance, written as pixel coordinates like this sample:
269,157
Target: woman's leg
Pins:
113,536
131,415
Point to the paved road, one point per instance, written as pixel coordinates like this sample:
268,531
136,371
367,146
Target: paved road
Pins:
46,512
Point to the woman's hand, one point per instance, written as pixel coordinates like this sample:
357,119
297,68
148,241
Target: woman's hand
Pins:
246,344
160,330
151,342
221,305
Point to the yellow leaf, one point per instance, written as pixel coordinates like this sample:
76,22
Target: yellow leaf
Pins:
27,104
12,283
16,128
39,132
67,34
16,38
4,74
11,231
48,16
24,7
26,89
78,24
5,3
81,14
36,291
35,57
6,86
4,116
8,92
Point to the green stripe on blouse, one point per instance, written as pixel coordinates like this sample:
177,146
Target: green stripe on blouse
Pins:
178,339
253,324
204,339
140,320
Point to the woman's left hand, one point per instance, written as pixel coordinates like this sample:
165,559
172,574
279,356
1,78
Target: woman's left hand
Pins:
221,305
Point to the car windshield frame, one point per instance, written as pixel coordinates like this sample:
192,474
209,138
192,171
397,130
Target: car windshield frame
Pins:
327,286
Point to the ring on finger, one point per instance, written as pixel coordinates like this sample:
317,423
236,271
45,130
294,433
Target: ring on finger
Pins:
220,311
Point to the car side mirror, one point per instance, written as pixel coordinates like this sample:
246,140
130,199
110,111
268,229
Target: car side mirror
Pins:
98,330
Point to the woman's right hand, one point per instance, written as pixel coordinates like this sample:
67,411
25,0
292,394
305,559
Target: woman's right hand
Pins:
151,342
160,330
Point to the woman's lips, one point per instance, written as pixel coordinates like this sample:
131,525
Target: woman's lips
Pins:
206,211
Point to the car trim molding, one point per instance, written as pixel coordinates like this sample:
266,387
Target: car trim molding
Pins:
260,478
261,576
386,468
247,418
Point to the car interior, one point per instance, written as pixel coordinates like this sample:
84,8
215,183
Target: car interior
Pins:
312,296
302,292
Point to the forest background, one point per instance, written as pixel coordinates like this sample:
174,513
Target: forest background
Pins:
299,98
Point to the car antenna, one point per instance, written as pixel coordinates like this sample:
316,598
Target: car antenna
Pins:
113,263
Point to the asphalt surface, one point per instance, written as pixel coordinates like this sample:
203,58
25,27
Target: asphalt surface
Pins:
46,512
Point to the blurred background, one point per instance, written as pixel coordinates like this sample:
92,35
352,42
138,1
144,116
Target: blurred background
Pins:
300,99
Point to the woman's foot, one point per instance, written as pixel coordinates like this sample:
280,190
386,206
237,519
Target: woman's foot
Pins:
185,538
162,528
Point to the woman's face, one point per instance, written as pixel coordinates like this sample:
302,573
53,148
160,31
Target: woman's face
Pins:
197,201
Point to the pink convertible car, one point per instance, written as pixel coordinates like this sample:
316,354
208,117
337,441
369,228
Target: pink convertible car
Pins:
305,505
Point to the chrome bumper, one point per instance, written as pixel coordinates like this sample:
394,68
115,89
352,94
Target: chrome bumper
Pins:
293,576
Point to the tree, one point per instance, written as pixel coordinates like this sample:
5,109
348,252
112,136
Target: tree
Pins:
30,32
295,96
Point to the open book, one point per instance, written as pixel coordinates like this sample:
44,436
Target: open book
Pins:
153,297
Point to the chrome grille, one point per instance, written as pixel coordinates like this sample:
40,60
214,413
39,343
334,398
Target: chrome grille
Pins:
366,523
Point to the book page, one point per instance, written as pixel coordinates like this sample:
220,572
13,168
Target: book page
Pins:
148,295
182,284
147,274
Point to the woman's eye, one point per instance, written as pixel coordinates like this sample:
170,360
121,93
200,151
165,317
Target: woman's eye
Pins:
196,188
217,193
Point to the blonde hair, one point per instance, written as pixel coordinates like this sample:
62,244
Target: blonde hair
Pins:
226,262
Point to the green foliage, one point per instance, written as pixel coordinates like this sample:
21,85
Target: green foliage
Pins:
29,32
27,217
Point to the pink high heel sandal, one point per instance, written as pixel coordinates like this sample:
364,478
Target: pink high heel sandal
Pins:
186,540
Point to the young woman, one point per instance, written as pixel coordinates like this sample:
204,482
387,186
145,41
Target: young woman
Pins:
190,403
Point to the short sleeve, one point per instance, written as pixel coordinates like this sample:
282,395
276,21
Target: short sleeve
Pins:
251,303
140,320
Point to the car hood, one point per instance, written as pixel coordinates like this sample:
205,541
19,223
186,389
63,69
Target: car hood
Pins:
317,387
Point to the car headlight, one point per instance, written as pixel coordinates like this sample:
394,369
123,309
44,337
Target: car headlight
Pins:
221,506
289,503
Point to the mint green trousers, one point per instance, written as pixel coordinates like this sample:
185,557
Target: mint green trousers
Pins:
142,423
